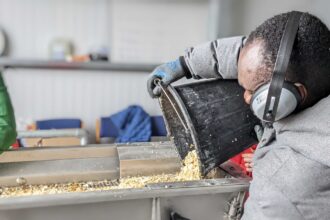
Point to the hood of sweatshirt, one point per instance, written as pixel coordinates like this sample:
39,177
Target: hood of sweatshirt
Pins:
307,132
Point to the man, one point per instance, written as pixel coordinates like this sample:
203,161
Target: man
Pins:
7,119
291,178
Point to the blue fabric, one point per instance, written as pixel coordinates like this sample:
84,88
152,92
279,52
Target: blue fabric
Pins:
108,129
158,126
133,124
58,124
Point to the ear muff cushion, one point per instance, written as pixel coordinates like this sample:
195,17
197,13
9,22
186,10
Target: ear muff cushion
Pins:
292,88
289,100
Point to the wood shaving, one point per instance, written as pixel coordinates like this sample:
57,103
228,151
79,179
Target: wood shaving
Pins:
189,171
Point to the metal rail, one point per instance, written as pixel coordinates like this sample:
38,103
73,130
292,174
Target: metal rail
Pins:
54,133
62,65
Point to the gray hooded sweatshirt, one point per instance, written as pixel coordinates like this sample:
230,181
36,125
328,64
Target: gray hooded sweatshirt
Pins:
291,177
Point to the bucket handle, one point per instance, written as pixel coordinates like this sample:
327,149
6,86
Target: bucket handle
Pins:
158,83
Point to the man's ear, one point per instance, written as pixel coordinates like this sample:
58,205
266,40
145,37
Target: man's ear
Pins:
302,90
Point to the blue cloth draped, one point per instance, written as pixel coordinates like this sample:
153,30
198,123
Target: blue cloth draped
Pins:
133,124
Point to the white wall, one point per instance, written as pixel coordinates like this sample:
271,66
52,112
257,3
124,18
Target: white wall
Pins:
32,24
37,94
248,14
156,31
135,31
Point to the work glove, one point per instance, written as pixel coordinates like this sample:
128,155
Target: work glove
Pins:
167,73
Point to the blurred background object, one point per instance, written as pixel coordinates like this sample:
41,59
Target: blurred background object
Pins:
54,132
107,132
3,43
60,49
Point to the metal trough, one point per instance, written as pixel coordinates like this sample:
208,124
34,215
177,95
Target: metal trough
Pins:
198,200
86,163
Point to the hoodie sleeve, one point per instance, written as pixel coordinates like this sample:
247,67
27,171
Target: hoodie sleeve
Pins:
7,119
215,59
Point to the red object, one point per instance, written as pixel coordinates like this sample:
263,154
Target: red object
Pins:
238,159
15,145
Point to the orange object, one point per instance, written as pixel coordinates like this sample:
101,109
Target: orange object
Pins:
80,58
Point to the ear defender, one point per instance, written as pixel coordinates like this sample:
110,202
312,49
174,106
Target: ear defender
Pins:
278,99
289,100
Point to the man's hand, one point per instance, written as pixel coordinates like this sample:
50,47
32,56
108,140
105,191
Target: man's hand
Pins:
248,162
248,157
167,73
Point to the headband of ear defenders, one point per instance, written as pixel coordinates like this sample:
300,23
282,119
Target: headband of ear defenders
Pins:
281,65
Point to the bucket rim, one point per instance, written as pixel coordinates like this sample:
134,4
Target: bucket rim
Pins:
184,112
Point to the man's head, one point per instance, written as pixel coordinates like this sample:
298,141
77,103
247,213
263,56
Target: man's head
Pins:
309,67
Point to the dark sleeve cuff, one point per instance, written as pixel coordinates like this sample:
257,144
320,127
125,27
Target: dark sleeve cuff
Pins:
185,67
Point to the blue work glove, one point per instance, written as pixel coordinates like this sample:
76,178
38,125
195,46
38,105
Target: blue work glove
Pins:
167,73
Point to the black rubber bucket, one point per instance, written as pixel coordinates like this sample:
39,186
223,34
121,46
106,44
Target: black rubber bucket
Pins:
211,117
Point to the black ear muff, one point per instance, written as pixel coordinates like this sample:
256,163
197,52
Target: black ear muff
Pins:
278,98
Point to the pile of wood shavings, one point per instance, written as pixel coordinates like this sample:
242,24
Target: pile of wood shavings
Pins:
27,190
189,171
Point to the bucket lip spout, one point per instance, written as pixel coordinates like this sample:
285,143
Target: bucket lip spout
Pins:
184,112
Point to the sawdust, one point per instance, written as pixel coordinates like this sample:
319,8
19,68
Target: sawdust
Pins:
190,170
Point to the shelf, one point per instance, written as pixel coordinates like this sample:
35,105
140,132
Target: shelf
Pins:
62,65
